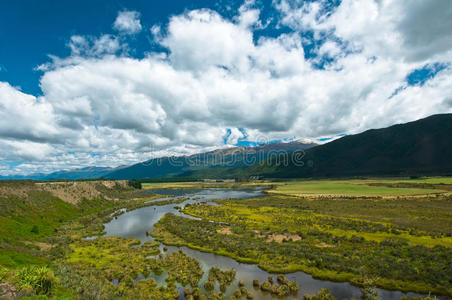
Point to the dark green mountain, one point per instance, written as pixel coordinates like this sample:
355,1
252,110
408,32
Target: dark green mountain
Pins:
422,147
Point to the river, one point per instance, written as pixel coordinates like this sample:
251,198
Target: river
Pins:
134,224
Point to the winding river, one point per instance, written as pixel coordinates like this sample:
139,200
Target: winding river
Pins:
134,224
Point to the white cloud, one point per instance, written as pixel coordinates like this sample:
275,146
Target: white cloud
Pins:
415,31
201,39
25,117
26,150
91,46
249,16
128,22
215,77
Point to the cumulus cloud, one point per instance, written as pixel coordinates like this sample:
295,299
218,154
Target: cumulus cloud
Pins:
201,39
415,32
25,117
128,22
218,81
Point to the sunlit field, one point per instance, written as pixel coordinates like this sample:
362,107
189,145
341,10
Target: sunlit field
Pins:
370,187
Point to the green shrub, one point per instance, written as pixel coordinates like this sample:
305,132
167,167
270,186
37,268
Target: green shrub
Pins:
3,273
324,294
135,184
35,229
209,285
40,279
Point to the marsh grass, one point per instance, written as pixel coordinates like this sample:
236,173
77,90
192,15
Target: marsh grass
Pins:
341,238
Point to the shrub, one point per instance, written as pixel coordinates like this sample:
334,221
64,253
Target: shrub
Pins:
3,273
324,294
35,229
266,286
394,242
209,285
135,184
40,279
238,293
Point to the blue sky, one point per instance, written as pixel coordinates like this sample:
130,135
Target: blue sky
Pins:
34,29
108,83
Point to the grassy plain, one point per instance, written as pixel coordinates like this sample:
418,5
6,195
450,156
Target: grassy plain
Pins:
386,187
198,185
352,188
430,180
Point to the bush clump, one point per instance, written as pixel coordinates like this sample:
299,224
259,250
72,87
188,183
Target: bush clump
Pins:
38,279
324,294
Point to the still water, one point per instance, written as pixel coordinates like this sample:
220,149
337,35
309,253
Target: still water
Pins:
134,224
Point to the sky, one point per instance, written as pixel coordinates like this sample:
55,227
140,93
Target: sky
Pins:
108,83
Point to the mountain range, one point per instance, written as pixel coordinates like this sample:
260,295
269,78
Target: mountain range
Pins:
74,174
422,147
174,166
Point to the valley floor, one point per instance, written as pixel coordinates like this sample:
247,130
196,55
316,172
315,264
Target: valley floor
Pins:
390,233
396,233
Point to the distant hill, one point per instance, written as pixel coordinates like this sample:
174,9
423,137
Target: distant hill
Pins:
74,174
176,166
422,147
232,157
83,173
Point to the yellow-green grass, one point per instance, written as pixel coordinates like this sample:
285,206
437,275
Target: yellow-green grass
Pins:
193,185
351,187
264,217
168,185
108,251
429,180
346,188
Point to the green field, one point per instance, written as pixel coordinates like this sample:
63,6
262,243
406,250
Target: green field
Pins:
197,185
352,188
431,180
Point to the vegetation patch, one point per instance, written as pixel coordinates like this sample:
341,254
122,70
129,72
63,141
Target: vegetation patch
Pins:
401,252
223,277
